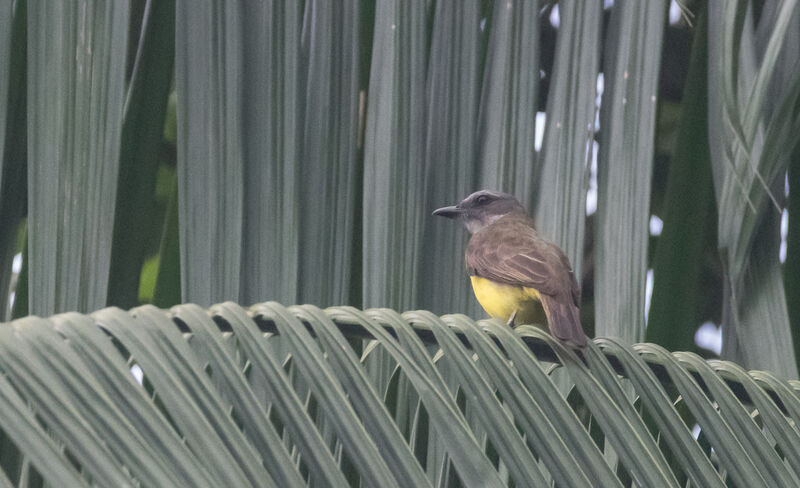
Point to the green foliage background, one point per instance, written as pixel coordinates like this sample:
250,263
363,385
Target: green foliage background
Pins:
170,151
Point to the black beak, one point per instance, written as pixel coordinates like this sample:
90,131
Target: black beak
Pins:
451,212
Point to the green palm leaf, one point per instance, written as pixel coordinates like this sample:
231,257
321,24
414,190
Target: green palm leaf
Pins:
142,129
330,187
568,135
748,169
625,167
13,137
74,126
217,404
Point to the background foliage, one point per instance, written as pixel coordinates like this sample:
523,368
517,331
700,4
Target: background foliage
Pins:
169,151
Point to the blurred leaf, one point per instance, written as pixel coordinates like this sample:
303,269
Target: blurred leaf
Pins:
395,150
689,216
750,152
507,117
211,173
763,324
625,165
76,76
328,194
142,129
791,268
271,137
450,165
786,73
237,162
7,12
167,288
750,132
20,307
567,146
13,138
147,280
171,119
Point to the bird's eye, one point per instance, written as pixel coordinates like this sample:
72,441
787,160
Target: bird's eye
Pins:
482,199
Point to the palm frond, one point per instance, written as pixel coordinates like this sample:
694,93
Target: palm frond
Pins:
74,126
568,143
13,138
625,167
142,129
217,403
394,205
211,169
748,173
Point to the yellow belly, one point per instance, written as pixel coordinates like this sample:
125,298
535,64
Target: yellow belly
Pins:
501,301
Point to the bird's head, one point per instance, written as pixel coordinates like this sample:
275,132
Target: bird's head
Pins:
481,209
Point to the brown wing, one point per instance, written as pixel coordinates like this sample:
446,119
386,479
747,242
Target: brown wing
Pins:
511,252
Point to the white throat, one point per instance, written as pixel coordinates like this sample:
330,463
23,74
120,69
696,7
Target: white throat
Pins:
477,225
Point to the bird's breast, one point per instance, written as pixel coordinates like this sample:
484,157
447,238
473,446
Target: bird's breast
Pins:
500,300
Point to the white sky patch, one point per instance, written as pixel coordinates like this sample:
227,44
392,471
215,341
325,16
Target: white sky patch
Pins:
696,431
483,24
555,18
16,264
137,373
607,4
656,225
541,119
784,234
648,293
601,85
598,99
786,185
674,12
591,194
16,267
709,336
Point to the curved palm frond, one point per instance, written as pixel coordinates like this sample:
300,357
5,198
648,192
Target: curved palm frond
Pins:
276,396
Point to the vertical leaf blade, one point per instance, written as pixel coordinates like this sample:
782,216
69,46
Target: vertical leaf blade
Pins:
689,216
568,134
76,75
272,113
451,168
749,171
625,167
329,154
393,155
507,118
13,138
142,131
210,161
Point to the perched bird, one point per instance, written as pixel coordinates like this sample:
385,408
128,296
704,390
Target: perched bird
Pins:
512,267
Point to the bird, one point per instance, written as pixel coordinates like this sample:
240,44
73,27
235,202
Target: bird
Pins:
512,267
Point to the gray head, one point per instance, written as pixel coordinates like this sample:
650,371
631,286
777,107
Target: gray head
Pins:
481,209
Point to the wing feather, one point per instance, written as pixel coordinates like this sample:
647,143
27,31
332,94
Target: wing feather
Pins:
511,252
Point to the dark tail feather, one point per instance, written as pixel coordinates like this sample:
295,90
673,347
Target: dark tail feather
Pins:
564,319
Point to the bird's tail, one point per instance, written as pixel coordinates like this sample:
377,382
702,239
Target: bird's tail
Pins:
564,319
